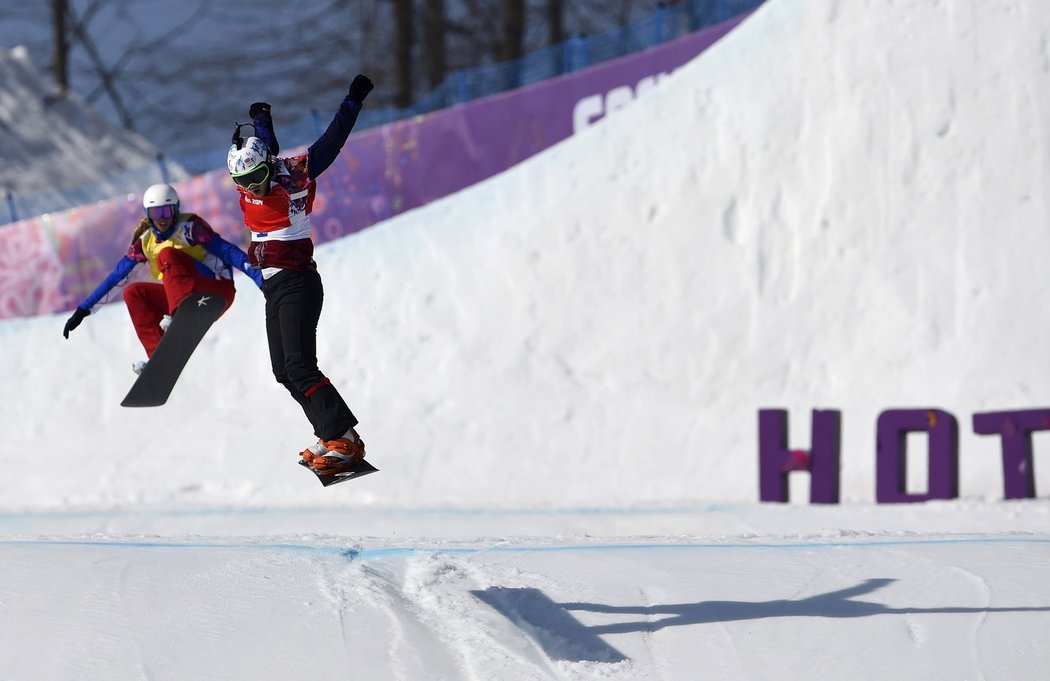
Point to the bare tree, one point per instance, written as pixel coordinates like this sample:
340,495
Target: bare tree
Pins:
434,32
60,58
512,30
555,21
78,27
404,37
595,16
184,85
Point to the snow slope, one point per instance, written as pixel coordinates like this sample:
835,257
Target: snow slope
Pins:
863,609
848,221
558,372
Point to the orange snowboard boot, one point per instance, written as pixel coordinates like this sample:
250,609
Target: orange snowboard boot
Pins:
328,457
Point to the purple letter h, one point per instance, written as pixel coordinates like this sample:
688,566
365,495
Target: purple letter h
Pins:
775,460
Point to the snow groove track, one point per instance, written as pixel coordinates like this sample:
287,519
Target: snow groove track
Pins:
136,607
337,546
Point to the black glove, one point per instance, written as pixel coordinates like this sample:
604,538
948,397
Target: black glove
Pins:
74,321
360,88
258,109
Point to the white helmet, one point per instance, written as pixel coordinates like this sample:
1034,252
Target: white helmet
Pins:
247,158
157,196
160,195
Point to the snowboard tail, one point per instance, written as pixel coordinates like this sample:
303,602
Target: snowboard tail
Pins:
189,324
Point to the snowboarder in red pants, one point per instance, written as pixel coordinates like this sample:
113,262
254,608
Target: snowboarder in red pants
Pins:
183,253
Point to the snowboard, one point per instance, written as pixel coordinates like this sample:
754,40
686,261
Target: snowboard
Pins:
360,468
192,319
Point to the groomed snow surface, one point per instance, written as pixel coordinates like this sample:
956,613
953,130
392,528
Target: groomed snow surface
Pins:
558,372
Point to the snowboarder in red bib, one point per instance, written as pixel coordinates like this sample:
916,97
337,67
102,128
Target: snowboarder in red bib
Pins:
276,196
183,253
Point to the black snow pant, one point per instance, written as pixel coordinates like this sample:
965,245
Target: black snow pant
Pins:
293,307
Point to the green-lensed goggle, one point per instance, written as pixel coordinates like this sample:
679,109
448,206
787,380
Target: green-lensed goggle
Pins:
254,177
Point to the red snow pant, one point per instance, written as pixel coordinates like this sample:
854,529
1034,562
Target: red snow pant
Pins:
148,302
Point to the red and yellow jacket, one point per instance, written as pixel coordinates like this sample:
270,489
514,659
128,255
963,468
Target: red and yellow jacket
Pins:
215,257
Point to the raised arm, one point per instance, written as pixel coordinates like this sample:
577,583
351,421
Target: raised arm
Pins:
329,144
263,123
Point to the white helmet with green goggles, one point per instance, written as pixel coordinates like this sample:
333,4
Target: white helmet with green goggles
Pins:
160,201
249,165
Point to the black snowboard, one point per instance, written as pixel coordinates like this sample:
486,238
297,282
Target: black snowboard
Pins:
192,319
360,468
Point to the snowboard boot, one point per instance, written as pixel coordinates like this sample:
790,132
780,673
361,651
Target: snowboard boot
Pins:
328,457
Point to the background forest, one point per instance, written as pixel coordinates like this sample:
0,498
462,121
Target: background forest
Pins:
297,56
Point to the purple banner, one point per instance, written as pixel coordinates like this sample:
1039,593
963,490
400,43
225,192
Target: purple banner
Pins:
50,263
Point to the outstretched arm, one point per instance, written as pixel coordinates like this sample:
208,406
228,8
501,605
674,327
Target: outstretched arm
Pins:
203,235
119,274
328,145
232,256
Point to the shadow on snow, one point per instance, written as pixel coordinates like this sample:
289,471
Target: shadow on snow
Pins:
563,637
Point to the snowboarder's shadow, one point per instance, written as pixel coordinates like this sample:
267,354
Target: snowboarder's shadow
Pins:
834,604
563,637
